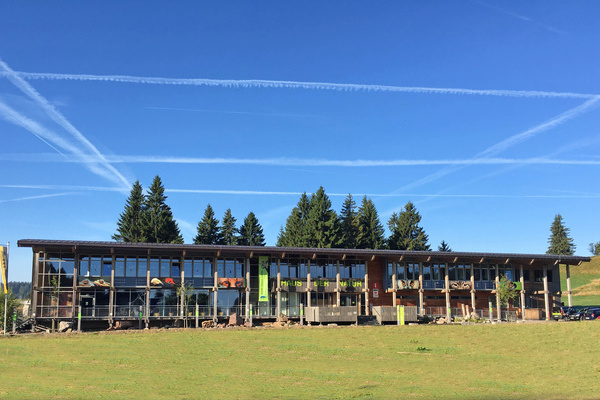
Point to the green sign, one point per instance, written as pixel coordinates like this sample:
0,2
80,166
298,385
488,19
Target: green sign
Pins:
263,278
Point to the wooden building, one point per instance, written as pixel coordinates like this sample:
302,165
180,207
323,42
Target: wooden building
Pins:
104,282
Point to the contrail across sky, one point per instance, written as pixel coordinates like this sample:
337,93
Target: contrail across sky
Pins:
261,83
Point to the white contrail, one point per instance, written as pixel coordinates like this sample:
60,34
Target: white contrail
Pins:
44,196
295,193
509,142
261,83
295,162
45,135
57,117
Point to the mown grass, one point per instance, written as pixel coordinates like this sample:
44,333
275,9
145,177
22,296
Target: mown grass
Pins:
510,361
585,283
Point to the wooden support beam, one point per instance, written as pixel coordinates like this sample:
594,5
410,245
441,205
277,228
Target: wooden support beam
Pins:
401,257
428,259
112,250
218,253
251,254
282,255
314,256
579,263
455,260
344,257
532,261
482,260
373,257
149,251
507,261
183,253
556,262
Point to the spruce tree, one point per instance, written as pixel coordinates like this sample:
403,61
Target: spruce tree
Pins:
251,233
229,232
294,234
322,223
130,227
208,231
559,240
444,246
371,233
349,228
406,234
159,224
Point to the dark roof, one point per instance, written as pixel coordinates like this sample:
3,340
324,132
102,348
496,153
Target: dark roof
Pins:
406,255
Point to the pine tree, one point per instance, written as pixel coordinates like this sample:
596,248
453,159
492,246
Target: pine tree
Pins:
371,233
159,224
130,227
595,248
322,223
229,232
559,240
349,228
444,247
251,233
294,234
208,229
406,234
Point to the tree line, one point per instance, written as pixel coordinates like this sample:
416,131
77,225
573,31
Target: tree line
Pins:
312,223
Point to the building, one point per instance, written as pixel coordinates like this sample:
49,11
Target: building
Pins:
160,283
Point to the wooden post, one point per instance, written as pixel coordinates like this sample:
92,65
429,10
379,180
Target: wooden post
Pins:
215,290
447,282
308,288
473,291
498,306
111,293
522,293
338,287
247,289
421,291
367,288
546,300
34,288
279,288
569,284
394,287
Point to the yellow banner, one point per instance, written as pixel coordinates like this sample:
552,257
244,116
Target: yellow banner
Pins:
4,268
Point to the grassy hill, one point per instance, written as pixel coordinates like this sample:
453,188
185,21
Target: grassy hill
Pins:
585,283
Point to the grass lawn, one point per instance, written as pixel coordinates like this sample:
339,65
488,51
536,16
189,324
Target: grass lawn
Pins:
510,361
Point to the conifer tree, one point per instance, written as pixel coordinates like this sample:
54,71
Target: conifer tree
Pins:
251,233
130,227
371,233
406,234
229,232
322,223
444,246
559,240
159,224
208,231
294,234
349,228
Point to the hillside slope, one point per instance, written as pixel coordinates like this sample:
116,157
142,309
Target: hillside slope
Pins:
585,283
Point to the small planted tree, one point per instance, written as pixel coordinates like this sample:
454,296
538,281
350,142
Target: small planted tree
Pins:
506,291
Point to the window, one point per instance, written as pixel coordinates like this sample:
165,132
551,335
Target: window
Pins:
485,273
130,267
492,272
188,268
165,266
106,267
438,272
142,268
284,269
460,272
120,266
537,275
477,273
154,267
426,272
452,272
331,270
96,266
197,267
526,275
175,268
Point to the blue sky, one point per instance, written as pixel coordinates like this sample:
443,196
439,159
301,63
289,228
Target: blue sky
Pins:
484,114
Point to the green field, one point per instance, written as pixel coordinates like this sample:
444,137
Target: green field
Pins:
512,361
585,283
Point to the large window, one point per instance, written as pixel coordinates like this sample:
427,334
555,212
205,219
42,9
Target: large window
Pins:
230,267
